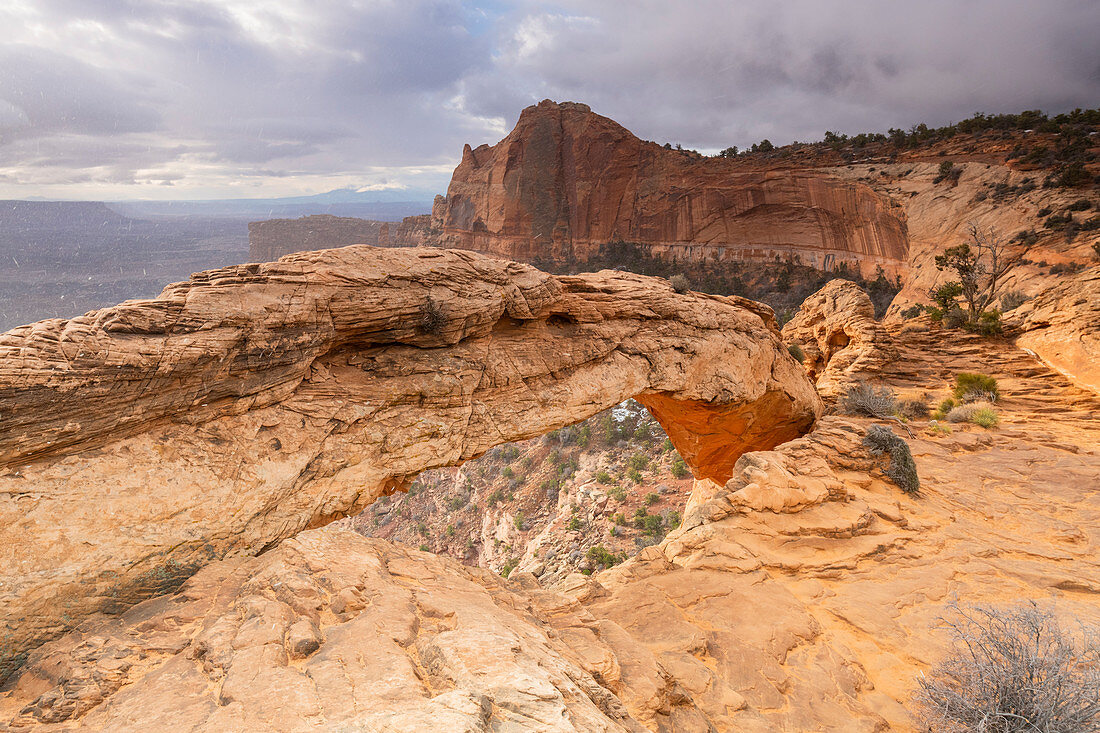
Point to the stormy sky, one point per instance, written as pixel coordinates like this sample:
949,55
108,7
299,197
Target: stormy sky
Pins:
123,99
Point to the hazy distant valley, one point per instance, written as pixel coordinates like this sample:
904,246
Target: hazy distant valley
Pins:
63,258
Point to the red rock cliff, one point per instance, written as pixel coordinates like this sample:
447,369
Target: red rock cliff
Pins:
566,180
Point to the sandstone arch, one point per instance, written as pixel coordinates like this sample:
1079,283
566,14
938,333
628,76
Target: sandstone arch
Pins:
140,442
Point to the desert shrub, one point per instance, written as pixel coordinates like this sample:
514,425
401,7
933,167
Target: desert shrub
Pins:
639,461
902,469
651,499
978,413
1013,299
599,555
679,283
619,519
912,311
989,323
574,524
983,387
947,172
507,472
1012,670
634,475
985,417
432,319
678,468
618,493
673,520
796,351
602,476
509,566
425,548
863,398
953,318
913,409
518,521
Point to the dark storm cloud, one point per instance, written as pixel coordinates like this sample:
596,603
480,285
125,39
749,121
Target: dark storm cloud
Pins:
207,93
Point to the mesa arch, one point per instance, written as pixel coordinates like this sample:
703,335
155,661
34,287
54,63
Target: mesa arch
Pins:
143,441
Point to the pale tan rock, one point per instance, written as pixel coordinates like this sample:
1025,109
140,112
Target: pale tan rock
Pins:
1062,326
141,442
808,615
836,329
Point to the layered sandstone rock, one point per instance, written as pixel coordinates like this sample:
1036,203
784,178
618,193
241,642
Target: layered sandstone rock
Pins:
803,593
566,181
271,239
1062,326
837,331
141,442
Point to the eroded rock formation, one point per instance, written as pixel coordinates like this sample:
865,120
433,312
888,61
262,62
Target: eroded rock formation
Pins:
1062,326
837,331
141,442
566,181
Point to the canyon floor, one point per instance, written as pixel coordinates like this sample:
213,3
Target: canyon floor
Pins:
801,595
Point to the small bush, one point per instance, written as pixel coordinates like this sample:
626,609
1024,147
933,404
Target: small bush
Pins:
985,417
639,461
982,385
902,470
678,468
1013,670
1013,299
599,555
912,311
913,409
989,323
978,413
634,475
432,319
509,566
519,521
864,399
796,351
651,499
603,476
574,524
954,318
679,283
618,493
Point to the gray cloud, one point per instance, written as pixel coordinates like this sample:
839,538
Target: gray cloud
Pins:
228,96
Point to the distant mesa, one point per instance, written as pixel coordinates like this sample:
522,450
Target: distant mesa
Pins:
566,183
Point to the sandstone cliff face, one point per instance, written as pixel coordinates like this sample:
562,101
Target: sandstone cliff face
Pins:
1062,326
143,441
837,331
271,239
566,181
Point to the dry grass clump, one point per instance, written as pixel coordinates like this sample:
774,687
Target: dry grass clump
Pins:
978,413
864,398
1013,670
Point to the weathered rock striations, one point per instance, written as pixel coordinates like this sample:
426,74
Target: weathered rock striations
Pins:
271,239
837,331
800,594
566,181
140,442
1062,326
